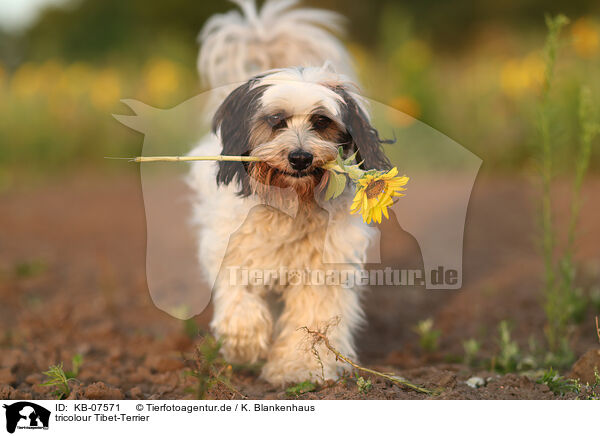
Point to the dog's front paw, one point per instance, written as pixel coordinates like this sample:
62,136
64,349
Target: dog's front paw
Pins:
281,372
289,363
245,331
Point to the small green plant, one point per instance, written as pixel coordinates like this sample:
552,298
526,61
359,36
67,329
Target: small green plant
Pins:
190,328
557,384
591,392
76,363
30,268
189,325
575,301
363,385
428,336
60,379
508,358
552,306
563,302
209,368
301,388
563,357
471,347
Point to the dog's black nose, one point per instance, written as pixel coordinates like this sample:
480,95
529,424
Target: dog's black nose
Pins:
300,160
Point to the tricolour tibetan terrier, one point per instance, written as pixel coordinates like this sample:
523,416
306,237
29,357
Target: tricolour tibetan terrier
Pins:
293,110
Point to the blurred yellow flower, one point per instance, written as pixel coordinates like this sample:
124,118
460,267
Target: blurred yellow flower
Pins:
36,80
26,81
586,38
403,110
375,193
520,75
76,80
161,79
49,73
106,89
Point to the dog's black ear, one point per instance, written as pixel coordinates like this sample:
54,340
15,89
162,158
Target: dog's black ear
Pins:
363,137
232,122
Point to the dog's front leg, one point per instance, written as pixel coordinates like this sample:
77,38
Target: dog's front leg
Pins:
333,309
243,322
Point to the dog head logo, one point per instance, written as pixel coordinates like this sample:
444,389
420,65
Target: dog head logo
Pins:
26,415
442,174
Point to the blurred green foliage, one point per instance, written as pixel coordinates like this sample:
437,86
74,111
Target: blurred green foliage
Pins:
472,71
30,268
428,336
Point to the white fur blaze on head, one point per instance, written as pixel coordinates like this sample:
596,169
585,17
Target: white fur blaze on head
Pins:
301,90
322,80
236,46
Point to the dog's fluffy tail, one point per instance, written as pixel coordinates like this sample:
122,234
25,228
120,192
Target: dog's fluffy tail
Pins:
236,46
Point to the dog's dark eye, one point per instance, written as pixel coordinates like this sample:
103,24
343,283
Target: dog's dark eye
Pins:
277,121
321,122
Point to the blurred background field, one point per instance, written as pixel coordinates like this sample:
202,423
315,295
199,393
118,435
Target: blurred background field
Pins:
470,71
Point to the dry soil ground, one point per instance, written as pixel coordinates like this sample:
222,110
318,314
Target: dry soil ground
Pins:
72,280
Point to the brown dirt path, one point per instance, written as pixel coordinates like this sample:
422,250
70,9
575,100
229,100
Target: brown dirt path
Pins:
72,280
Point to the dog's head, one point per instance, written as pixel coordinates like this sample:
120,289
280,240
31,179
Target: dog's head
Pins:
294,120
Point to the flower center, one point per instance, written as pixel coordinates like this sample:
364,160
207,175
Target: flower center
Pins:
374,188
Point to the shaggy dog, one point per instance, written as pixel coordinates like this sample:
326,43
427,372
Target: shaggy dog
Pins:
291,108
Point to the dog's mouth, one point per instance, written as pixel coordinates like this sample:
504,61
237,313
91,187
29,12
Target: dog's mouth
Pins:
304,182
315,172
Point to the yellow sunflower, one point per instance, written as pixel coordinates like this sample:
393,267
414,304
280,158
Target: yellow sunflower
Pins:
375,193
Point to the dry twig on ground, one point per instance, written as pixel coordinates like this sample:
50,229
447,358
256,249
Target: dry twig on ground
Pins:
320,336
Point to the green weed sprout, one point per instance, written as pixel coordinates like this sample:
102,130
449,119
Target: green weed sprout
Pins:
301,388
428,336
563,302
509,355
363,385
210,369
30,268
60,379
471,347
557,384
76,363
553,307
190,328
